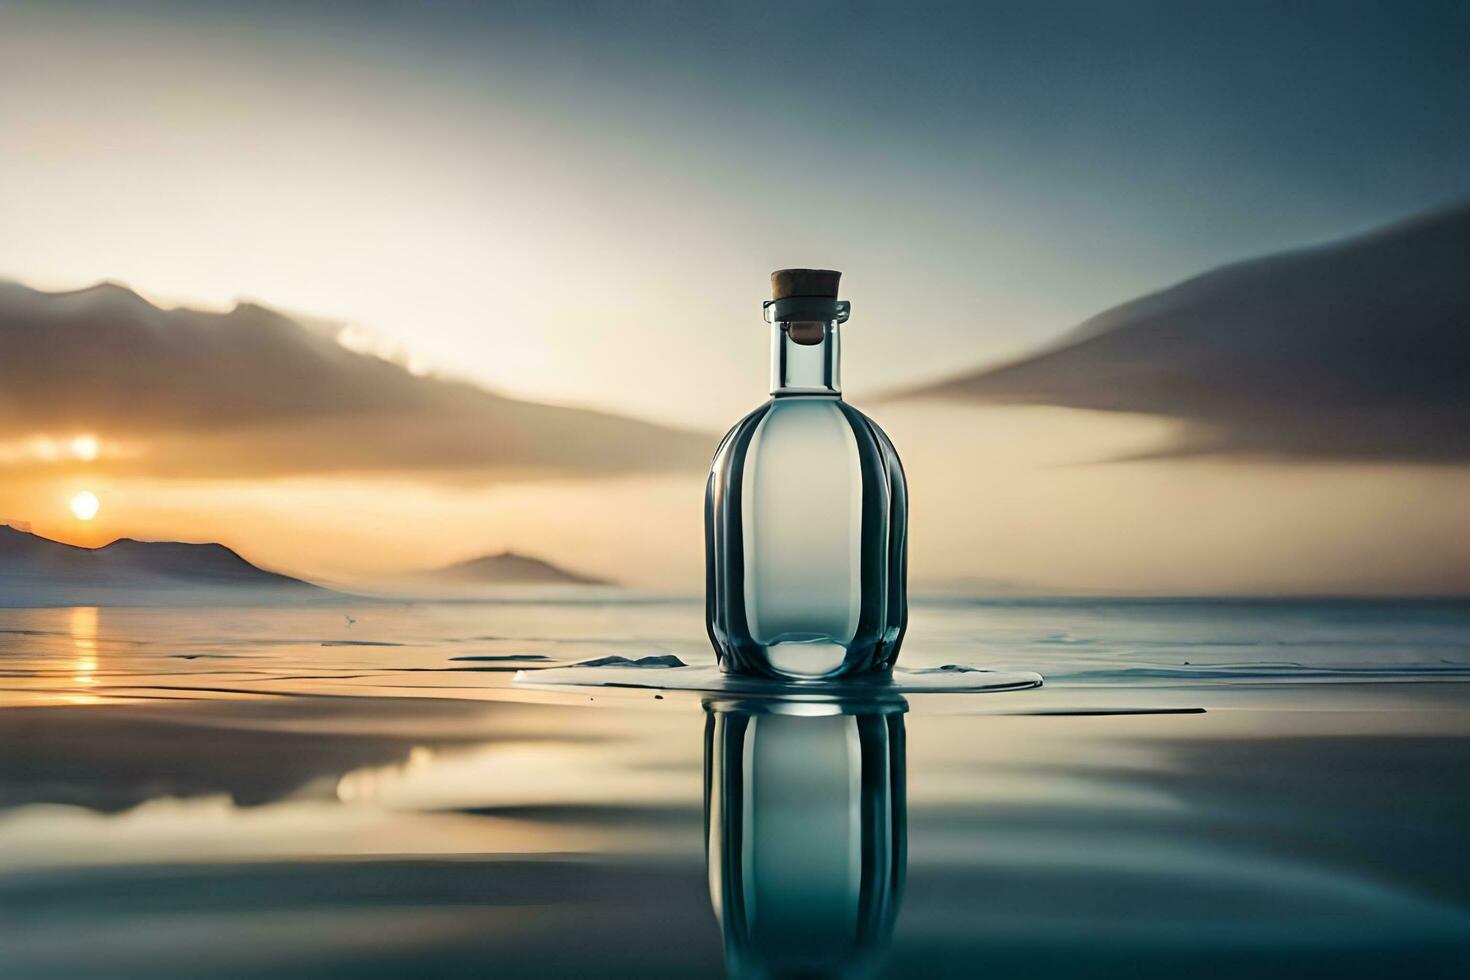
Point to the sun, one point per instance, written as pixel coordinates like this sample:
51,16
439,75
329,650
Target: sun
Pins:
85,505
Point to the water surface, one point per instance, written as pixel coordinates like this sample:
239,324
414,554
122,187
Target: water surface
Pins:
1212,788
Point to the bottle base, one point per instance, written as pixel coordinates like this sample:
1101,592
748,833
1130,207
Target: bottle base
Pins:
817,657
809,657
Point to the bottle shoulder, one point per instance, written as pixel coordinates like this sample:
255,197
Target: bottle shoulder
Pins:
806,407
805,418
859,416
779,413
739,435
880,437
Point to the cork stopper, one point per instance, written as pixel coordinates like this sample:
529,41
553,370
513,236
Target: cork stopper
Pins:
804,283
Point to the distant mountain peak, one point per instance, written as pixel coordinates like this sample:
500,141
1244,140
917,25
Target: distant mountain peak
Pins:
36,570
111,294
198,386
1353,349
508,568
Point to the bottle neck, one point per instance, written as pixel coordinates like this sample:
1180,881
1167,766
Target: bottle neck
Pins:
805,349
805,358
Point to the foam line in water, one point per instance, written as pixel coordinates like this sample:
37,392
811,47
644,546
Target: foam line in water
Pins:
657,673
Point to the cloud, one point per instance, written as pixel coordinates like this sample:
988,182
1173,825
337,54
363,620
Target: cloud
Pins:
1355,350
255,393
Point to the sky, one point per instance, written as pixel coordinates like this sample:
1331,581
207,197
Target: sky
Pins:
563,200
579,204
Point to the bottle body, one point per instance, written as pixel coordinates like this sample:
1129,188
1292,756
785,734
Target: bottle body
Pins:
806,521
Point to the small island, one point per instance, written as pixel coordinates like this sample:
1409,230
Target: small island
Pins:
506,568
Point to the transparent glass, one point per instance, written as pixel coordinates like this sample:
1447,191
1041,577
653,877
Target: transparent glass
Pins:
805,834
806,520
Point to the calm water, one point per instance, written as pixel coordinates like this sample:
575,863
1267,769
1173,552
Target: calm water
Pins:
1204,788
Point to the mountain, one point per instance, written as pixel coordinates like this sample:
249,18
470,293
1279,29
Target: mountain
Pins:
254,392
36,571
1354,350
507,568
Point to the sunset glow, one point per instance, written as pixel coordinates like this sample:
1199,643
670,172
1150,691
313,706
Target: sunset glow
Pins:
85,447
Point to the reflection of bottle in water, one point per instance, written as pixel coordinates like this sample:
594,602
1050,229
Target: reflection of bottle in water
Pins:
805,834
806,513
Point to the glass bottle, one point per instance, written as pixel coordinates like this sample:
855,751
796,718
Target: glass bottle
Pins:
806,512
805,833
